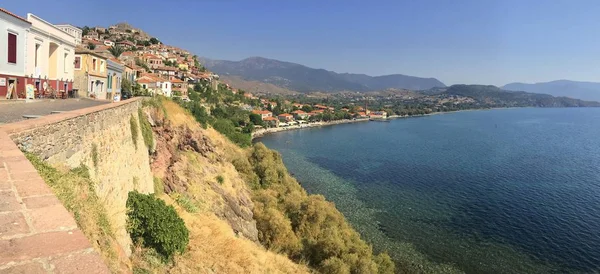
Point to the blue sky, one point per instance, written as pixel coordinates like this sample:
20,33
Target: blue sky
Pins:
464,41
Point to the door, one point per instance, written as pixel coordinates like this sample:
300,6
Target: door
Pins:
12,89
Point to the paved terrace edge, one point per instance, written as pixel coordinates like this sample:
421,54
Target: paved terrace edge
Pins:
25,125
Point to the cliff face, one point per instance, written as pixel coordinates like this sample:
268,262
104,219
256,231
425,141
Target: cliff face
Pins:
189,163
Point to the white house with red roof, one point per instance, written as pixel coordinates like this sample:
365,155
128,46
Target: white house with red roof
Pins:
285,117
263,113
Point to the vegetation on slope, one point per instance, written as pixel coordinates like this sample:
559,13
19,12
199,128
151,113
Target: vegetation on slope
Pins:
305,227
154,224
210,196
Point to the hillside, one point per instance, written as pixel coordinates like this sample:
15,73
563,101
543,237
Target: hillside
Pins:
254,87
300,78
496,97
573,89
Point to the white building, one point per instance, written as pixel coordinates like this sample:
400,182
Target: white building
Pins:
50,56
13,39
109,43
73,31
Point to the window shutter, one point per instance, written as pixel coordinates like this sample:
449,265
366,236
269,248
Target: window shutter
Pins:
12,48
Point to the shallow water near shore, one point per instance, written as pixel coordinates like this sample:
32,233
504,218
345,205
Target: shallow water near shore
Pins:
497,191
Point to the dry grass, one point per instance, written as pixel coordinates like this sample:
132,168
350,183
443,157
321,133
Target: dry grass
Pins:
178,116
214,248
75,190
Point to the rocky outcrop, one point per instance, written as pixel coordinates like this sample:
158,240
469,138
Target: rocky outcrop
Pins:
188,163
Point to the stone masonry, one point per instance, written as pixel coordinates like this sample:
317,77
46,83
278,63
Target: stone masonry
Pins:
37,233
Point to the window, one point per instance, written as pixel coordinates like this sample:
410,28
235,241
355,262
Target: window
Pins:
12,48
94,68
37,50
101,66
77,62
65,61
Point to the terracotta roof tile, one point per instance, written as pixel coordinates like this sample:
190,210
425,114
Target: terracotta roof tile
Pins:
14,15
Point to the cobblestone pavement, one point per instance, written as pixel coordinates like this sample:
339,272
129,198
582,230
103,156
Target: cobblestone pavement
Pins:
14,111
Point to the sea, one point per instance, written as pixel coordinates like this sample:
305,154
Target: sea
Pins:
492,191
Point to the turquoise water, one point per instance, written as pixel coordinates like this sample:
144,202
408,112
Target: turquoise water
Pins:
498,191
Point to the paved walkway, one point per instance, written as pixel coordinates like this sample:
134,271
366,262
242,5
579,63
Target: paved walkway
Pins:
37,233
14,111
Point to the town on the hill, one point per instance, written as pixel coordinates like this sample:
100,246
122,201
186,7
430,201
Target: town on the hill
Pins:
64,61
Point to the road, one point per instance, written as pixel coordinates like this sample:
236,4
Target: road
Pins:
14,111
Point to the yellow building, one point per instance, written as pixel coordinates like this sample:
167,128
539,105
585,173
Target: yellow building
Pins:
183,66
90,74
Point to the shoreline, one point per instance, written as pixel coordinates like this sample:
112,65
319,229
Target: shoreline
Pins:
262,132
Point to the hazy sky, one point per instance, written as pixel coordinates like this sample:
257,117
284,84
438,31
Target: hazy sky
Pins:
473,42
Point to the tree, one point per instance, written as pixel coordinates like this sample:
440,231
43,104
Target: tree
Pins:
146,43
85,30
91,46
116,51
126,85
154,41
256,119
106,31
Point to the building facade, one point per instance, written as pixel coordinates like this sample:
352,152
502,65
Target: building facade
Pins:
73,31
91,75
13,39
115,73
50,57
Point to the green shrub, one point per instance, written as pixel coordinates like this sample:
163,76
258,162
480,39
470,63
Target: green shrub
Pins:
220,179
134,130
155,102
157,225
146,130
186,202
227,128
307,228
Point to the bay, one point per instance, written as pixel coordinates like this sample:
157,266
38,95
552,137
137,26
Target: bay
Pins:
496,191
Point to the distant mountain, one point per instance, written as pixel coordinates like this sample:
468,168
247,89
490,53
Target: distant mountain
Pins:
255,87
573,89
304,79
497,97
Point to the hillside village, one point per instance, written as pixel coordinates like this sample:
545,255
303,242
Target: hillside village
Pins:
117,62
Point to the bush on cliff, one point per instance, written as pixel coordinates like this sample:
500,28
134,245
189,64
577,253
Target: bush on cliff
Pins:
305,227
155,224
146,130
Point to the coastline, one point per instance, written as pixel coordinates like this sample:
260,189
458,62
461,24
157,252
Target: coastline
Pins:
262,132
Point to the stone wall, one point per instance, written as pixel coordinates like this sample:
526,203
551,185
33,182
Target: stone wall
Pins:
100,138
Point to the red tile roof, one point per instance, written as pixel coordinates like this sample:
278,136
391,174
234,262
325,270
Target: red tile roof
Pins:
270,119
285,115
167,68
176,80
298,112
14,15
261,112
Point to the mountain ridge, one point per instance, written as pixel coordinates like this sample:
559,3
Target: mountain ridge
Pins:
301,78
575,89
